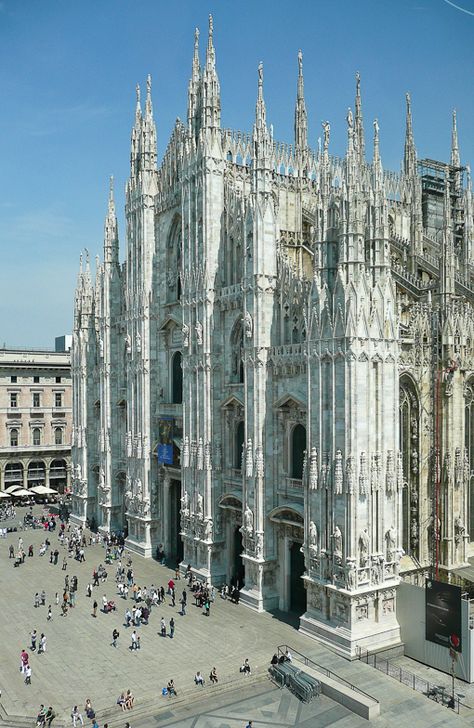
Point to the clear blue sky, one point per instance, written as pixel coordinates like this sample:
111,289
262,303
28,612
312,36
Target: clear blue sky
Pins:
68,72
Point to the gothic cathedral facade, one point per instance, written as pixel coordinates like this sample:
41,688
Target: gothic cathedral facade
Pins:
277,384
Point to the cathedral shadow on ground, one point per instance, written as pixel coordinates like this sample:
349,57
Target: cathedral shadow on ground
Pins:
290,618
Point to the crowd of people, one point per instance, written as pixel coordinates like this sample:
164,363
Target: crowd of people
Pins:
141,602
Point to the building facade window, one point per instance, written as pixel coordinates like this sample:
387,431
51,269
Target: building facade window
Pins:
36,380
36,399
58,380
298,447
58,399
58,436
36,435
409,446
13,379
14,438
177,379
13,399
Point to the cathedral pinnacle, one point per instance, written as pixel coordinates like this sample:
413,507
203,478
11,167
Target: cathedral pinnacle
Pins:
138,110
210,89
359,124
409,159
301,119
111,195
111,243
455,159
447,259
149,106
260,110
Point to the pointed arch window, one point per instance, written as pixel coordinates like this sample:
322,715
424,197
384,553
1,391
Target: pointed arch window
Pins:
237,354
239,444
409,446
177,378
298,447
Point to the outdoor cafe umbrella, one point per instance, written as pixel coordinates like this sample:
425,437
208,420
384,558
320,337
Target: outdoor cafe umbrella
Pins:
21,493
43,490
12,488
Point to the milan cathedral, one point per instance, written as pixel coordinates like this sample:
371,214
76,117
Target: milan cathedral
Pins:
277,384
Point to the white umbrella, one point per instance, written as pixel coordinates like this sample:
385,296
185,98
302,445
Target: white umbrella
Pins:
21,493
11,488
43,490
4,495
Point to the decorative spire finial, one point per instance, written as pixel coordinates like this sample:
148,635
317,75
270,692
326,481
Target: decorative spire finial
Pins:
111,188
80,263
409,160
376,141
359,124
138,110
455,159
301,119
260,80
149,107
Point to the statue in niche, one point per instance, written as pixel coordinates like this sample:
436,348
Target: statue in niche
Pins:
391,540
199,505
248,520
138,488
248,325
337,541
313,538
128,343
350,575
363,547
185,503
459,529
185,332
208,530
138,342
101,478
198,328
101,347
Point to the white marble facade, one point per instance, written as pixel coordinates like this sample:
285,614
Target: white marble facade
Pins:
297,329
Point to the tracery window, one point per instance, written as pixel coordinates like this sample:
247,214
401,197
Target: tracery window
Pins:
409,446
469,445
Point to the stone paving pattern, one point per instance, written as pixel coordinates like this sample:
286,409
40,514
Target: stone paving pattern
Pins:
80,662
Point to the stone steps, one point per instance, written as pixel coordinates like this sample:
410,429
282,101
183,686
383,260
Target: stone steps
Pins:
115,717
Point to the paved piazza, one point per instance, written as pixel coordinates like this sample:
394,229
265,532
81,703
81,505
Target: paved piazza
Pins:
80,662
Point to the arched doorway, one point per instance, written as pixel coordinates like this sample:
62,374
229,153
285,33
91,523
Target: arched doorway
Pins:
176,547
297,590
238,568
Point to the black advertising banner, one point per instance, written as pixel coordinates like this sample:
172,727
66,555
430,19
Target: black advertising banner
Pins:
443,614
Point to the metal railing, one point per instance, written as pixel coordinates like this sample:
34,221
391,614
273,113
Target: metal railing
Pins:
282,649
440,693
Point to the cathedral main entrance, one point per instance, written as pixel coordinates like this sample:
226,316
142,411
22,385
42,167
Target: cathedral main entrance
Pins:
176,547
297,590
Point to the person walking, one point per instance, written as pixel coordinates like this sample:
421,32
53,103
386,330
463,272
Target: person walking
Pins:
171,627
128,617
94,608
133,646
37,600
11,552
173,597
34,637
56,599
115,636
183,603
50,613
28,675
163,627
49,717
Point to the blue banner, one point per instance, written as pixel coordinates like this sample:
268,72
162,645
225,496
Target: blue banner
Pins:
165,442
